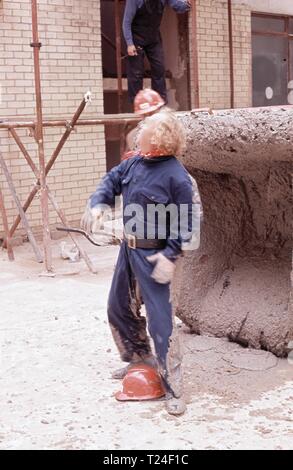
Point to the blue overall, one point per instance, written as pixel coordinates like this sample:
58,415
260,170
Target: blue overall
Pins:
159,180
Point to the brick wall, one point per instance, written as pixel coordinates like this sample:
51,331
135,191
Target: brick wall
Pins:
70,65
213,54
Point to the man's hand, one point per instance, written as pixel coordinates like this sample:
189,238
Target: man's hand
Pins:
91,219
131,50
164,268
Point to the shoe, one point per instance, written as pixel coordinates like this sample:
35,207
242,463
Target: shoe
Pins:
119,374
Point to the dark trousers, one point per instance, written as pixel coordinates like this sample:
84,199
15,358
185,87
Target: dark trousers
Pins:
129,327
135,70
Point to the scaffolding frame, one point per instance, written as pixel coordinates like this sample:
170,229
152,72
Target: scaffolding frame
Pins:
37,130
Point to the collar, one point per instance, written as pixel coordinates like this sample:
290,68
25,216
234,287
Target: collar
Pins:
157,159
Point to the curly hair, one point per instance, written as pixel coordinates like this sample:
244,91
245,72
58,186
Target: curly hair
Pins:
169,136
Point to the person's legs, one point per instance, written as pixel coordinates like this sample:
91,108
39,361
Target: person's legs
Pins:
160,323
135,74
127,325
155,55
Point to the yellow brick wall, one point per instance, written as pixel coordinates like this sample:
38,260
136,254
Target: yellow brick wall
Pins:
70,65
213,54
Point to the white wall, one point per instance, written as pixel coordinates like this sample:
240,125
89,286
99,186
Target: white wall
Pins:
269,6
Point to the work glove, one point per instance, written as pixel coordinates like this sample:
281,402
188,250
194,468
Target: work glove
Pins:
91,220
164,268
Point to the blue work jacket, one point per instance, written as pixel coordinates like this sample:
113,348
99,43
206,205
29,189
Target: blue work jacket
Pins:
147,184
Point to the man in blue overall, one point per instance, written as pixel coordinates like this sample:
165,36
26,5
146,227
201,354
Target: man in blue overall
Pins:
153,179
141,29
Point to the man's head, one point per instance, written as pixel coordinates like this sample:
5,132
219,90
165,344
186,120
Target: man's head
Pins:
147,102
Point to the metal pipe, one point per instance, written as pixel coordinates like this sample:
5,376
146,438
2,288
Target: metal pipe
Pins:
70,127
6,228
111,121
195,52
52,199
25,208
231,55
22,215
36,45
288,51
111,43
118,54
70,230
51,162
24,151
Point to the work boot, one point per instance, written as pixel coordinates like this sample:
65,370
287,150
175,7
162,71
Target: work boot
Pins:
119,374
175,406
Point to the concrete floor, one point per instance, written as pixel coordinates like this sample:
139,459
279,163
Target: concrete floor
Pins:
57,355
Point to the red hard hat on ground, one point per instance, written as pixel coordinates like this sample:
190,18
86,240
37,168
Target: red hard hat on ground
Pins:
142,382
147,101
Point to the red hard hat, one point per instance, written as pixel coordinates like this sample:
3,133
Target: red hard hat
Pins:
147,101
142,382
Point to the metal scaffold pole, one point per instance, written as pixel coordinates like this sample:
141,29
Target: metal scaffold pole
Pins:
36,45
